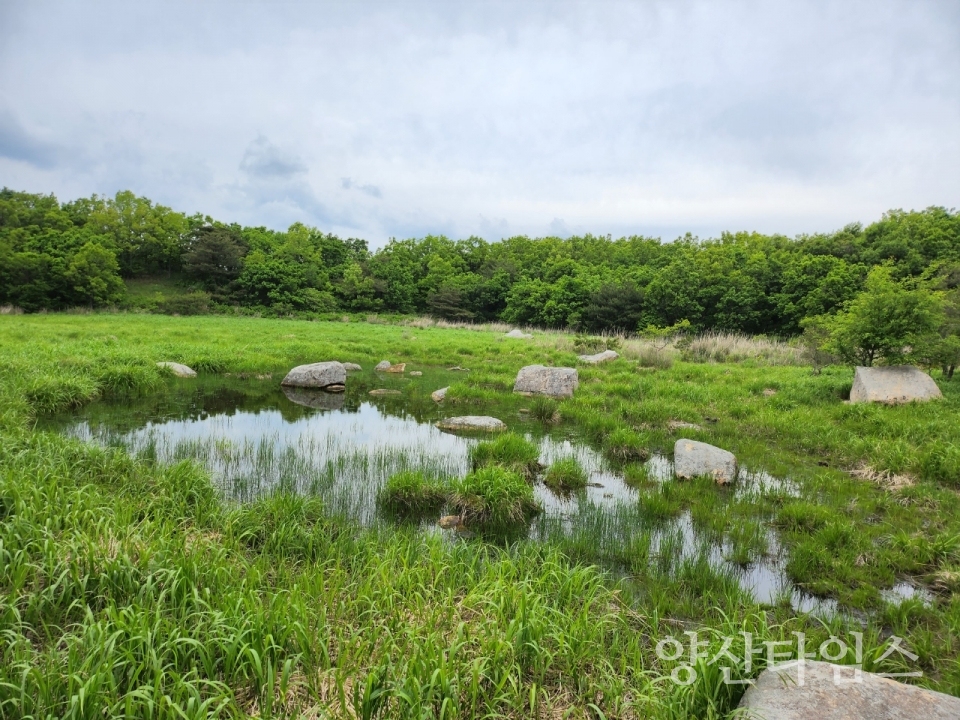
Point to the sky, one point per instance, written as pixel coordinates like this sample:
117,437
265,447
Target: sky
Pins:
403,119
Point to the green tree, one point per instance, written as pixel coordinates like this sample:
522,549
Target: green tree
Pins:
214,255
94,276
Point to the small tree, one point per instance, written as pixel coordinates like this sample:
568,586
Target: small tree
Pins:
887,322
660,337
816,336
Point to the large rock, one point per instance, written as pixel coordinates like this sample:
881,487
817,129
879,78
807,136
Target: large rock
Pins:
558,382
317,375
313,398
439,395
518,335
778,695
383,365
894,384
599,357
481,423
178,369
351,366
693,459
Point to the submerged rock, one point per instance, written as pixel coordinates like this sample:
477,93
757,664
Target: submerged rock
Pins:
318,375
518,335
482,423
832,692
599,357
894,384
692,458
351,366
383,365
313,397
439,395
178,369
558,382
381,392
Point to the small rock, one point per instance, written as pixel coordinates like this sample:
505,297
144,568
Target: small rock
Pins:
415,373
351,366
439,395
316,375
681,425
518,335
599,357
178,369
693,459
450,522
557,382
383,365
895,384
381,392
457,367
398,368
319,399
482,423
832,692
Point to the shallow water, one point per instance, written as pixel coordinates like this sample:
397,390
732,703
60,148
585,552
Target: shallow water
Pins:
255,438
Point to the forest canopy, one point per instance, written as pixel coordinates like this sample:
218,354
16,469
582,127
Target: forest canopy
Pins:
59,255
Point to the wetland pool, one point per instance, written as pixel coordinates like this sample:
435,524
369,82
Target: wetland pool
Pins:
256,438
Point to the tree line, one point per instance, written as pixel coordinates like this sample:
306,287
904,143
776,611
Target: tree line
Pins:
58,255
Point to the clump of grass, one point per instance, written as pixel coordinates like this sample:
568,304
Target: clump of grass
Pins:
544,409
652,357
624,445
495,497
636,474
565,476
942,463
511,451
412,493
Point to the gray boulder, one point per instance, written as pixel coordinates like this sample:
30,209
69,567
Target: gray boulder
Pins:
178,369
313,398
779,695
692,459
439,395
317,375
894,384
481,423
518,335
383,365
558,382
599,357
351,366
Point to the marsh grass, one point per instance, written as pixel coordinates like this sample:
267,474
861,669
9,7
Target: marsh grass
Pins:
511,451
413,493
565,476
494,497
624,445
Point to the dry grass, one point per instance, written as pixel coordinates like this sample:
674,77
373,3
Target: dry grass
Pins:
882,478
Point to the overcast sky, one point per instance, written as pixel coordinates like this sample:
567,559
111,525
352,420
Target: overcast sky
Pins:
401,119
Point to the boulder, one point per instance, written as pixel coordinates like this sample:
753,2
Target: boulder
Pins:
317,375
439,395
894,384
351,366
481,423
383,365
313,398
831,692
450,522
380,392
518,335
416,373
178,369
558,382
599,357
692,459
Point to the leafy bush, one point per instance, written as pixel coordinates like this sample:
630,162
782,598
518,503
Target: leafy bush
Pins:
565,475
494,496
511,451
595,344
412,493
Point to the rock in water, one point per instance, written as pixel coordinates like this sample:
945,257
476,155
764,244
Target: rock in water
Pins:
558,382
319,399
383,365
178,369
599,357
823,695
439,395
480,423
894,384
518,335
381,392
692,459
450,522
318,375
351,366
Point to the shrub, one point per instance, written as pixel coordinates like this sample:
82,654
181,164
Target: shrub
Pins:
565,475
494,496
511,451
412,493
624,445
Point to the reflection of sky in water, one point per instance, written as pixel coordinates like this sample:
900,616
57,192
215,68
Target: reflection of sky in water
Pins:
345,456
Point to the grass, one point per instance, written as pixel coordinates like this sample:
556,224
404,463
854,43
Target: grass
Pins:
128,586
511,451
494,497
412,493
565,476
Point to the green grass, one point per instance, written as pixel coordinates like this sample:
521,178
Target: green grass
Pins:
412,493
127,586
565,476
511,451
494,497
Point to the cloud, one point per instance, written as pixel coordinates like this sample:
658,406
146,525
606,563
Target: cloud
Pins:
263,159
16,143
371,190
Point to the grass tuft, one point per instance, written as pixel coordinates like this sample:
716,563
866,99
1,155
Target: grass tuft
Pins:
494,497
511,451
412,493
565,476
623,445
